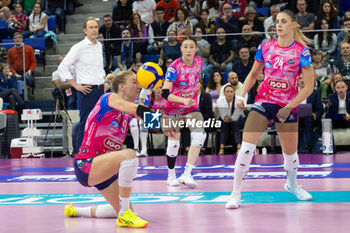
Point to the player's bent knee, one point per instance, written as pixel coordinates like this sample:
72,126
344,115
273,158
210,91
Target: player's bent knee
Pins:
127,172
198,138
173,148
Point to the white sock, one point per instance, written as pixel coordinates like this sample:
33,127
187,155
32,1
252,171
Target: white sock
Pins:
83,211
105,211
171,172
188,169
134,130
143,136
291,164
124,204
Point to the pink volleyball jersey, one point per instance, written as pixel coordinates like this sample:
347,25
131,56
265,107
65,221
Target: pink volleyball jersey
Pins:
185,80
157,104
105,130
282,70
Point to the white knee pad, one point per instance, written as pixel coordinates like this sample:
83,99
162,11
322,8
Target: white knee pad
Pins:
245,156
133,124
198,138
291,162
173,148
127,172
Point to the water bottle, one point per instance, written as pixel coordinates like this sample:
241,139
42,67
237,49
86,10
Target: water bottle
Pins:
264,151
327,136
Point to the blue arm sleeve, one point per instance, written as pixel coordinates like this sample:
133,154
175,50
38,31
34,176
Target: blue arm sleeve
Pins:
258,54
305,58
104,103
171,74
147,101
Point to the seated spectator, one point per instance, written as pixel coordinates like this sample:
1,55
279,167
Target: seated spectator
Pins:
342,64
328,12
63,89
110,30
332,81
339,106
138,29
57,8
250,18
232,79
325,41
194,8
171,49
15,60
243,66
5,12
321,66
37,23
272,33
127,52
213,7
169,6
18,21
158,28
146,9
227,21
203,49
307,123
3,55
248,40
216,81
8,88
229,115
271,21
344,35
182,24
221,55
122,13
167,64
238,7
207,25
305,19
255,89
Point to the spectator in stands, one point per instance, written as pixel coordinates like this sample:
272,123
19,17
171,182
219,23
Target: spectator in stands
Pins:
207,25
327,12
342,64
221,55
227,21
169,6
203,49
171,49
167,64
248,40
271,21
63,88
158,28
255,89
344,5
325,41
307,123
243,66
213,7
344,35
15,60
250,18
57,8
272,33
332,81
127,53
182,24
37,23
146,10
194,8
122,13
229,115
238,7
18,21
8,88
305,19
5,12
321,66
339,106
138,29
3,55
232,79
110,30
216,81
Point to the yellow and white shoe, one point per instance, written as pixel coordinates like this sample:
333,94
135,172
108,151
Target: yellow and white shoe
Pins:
129,219
70,210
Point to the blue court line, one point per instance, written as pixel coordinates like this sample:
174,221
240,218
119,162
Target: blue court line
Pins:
174,198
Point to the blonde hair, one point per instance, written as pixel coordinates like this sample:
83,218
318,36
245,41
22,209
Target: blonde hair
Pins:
120,78
298,35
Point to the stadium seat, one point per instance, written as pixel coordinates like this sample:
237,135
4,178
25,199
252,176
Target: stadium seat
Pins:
263,11
4,31
51,23
38,44
7,44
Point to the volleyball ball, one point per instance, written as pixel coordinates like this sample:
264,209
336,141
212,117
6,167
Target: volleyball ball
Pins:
150,75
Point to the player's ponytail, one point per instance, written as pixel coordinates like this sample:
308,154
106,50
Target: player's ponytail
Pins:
298,35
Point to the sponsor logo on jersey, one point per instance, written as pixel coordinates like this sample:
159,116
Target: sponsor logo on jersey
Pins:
111,144
187,95
268,64
198,74
292,53
282,53
184,83
291,62
115,124
288,74
306,53
278,85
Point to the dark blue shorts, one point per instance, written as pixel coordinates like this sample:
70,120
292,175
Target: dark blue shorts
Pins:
270,111
82,169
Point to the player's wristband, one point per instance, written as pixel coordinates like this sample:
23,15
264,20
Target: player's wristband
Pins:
141,109
165,93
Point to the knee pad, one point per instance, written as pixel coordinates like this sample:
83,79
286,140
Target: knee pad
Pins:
291,162
198,138
245,156
173,148
133,124
127,172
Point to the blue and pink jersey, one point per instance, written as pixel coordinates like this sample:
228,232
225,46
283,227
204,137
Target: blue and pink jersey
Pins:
185,80
157,104
282,70
105,130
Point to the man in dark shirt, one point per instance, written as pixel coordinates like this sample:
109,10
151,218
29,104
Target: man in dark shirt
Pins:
243,66
159,27
227,21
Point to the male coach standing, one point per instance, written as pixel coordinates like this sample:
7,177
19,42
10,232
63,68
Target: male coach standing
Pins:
87,59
